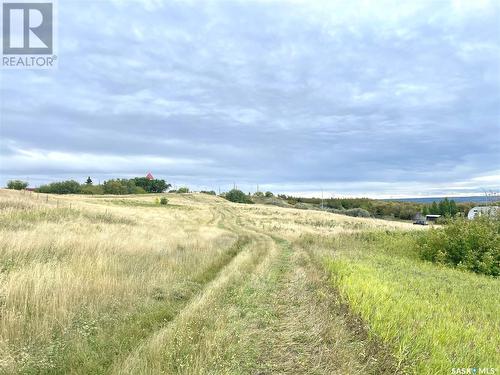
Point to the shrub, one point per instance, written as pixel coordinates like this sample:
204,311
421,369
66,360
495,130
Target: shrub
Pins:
211,192
115,187
473,245
237,196
63,187
356,212
121,187
269,194
92,189
17,185
183,190
163,201
259,194
136,190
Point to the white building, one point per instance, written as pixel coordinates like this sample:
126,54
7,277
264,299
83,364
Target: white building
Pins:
483,210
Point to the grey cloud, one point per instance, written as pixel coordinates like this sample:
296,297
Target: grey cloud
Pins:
289,94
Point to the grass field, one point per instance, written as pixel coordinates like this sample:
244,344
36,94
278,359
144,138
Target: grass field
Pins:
121,285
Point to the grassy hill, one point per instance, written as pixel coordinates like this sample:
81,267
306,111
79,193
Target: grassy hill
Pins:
124,285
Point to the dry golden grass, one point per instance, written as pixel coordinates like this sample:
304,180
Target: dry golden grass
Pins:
94,257
112,284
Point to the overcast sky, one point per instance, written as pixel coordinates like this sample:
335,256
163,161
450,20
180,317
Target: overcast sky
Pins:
355,98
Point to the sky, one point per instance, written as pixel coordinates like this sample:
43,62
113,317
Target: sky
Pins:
349,98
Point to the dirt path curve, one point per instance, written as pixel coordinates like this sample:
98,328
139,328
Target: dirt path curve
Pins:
311,332
269,311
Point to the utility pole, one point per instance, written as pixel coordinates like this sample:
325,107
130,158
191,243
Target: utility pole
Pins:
486,196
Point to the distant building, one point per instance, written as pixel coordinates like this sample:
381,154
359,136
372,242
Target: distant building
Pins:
419,219
149,176
419,216
483,210
432,217
424,219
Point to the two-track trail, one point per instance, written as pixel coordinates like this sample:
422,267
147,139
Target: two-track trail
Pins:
124,285
269,310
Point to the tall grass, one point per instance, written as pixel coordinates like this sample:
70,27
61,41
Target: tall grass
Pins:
79,286
91,285
435,318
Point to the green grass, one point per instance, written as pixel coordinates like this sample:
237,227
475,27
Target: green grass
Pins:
435,318
218,288
271,314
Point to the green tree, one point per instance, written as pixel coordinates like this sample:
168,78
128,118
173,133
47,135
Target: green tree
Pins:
434,210
89,181
62,187
151,186
238,196
453,208
269,194
116,187
17,185
92,189
444,207
183,190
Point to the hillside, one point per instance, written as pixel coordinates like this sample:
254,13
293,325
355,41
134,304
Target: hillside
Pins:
123,285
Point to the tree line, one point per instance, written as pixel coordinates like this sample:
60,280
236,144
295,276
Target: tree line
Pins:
119,186
348,206
386,209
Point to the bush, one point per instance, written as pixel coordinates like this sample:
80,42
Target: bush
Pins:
183,190
269,194
115,187
92,189
121,187
237,196
356,212
163,201
136,190
63,187
17,185
259,194
473,245
211,192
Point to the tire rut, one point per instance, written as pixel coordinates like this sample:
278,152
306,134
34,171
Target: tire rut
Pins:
201,301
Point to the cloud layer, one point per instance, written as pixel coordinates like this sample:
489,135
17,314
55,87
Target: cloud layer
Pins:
352,98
